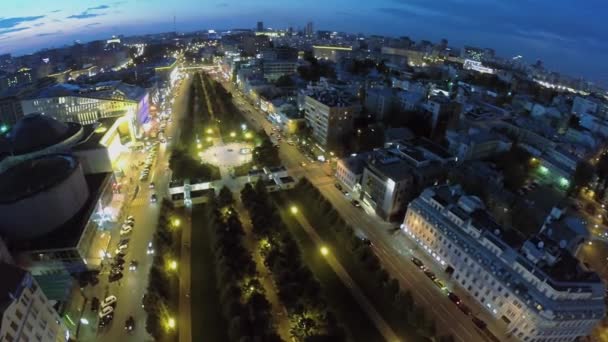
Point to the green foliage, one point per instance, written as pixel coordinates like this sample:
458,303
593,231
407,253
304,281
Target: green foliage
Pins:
267,154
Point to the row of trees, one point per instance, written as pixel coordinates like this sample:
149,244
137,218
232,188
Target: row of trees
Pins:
297,288
395,304
163,283
244,304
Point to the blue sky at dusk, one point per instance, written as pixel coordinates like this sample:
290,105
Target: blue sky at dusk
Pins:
568,35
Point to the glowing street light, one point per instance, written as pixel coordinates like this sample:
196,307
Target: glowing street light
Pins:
248,135
209,139
294,209
171,323
209,131
84,321
173,265
232,134
176,222
199,146
324,251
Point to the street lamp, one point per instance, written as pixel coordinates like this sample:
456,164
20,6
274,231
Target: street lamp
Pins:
84,321
176,222
324,251
294,209
171,323
173,265
209,131
232,134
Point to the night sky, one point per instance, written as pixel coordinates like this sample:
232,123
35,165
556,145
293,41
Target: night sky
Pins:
568,35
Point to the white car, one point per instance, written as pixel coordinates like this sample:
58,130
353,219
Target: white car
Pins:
150,250
105,310
110,300
130,218
125,230
127,225
121,248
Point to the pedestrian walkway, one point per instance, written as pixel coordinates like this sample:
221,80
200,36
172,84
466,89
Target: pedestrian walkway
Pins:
364,303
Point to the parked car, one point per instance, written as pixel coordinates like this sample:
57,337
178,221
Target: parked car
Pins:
114,276
109,301
153,198
125,230
479,323
454,298
133,265
356,203
430,274
418,262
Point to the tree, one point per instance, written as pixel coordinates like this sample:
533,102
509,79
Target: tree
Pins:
267,154
225,197
583,174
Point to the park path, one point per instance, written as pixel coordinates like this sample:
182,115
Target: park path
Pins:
279,313
364,303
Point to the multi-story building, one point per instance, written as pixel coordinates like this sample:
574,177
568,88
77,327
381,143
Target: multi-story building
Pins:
277,62
86,105
330,114
332,53
309,31
535,288
10,110
27,314
21,77
476,144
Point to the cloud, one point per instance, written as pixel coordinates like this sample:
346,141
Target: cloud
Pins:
56,11
223,4
90,12
38,24
49,34
92,24
11,30
12,22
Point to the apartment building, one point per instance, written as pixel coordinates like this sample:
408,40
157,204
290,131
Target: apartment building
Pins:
535,288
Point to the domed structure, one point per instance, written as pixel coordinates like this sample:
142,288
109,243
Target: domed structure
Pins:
35,132
40,194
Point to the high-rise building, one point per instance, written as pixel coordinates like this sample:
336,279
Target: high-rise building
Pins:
534,287
309,32
27,314
330,114
260,26
332,53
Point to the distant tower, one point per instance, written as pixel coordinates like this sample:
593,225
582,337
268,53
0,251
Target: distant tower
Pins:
174,26
260,27
309,30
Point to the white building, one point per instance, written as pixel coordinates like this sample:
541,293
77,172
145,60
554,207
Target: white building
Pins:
534,288
27,315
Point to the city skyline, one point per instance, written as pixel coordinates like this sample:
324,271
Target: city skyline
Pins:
567,37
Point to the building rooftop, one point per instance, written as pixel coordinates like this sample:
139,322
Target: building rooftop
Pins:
332,97
68,235
34,132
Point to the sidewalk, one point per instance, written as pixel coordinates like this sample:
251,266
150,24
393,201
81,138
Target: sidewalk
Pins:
364,303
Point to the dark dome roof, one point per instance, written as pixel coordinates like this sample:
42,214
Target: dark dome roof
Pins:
36,131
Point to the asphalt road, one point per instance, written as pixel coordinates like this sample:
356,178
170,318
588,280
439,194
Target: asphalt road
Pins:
393,251
130,289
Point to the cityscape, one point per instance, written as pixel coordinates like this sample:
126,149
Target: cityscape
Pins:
296,184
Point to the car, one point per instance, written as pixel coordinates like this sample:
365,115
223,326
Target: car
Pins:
118,261
356,203
121,248
465,309
338,186
130,324
94,304
120,255
125,230
454,298
109,301
367,242
479,323
133,265
130,218
418,262
151,186
153,198
440,284
150,250
114,276
302,164
107,319
123,242
430,274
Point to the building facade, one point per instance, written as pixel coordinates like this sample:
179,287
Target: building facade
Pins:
330,115
27,314
534,288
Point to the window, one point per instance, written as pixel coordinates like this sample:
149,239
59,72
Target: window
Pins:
14,325
18,314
